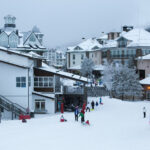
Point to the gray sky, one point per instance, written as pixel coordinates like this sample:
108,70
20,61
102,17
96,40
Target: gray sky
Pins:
65,22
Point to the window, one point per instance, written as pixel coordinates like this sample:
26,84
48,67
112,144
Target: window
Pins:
74,56
122,42
74,62
32,38
20,81
43,82
13,41
39,105
82,56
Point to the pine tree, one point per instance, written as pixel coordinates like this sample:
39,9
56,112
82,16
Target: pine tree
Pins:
123,82
87,67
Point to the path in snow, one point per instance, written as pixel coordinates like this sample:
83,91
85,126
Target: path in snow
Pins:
117,125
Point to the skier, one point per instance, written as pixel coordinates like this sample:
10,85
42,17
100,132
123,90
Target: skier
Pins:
100,100
76,112
92,104
88,107
144,112
96,103
82,116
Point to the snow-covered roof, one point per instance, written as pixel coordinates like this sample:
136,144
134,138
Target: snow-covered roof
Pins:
52,96
62,73
110,43
78,67
99,67
103,37
87,45
145,81
146,57
31,54
137,37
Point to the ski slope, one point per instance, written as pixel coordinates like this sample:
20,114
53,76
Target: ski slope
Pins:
117,125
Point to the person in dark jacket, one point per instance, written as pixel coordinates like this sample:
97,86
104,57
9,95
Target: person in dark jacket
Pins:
96,103
92,104
76,113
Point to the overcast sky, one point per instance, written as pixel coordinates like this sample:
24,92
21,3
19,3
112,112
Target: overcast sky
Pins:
65,22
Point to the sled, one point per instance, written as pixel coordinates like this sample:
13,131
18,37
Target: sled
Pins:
86,123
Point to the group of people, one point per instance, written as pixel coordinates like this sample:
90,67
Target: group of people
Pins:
87,108
81,113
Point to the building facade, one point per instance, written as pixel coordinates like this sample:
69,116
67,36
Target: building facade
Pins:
131,44
13,38
87,49
55,58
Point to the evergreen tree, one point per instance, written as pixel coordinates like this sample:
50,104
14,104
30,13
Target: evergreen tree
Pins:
87,67
123,82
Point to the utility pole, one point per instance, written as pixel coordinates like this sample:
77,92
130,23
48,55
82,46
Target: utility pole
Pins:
0,115
28,92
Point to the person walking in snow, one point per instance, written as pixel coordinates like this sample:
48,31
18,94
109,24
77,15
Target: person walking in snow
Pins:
88,107
82,116
92,104
96,103
144,112
76,113
100,100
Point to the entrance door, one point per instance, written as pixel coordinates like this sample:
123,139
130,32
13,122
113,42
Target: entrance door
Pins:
39,105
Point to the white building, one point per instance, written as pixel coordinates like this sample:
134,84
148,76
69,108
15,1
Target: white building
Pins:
55,58
89,48
12,38
28,84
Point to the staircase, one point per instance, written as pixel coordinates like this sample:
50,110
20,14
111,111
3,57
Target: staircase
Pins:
12,107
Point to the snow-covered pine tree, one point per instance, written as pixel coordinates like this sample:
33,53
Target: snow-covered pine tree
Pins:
134,88
87,67
108,76
122,82
126,83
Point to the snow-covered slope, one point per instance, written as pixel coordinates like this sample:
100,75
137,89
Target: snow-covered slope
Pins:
116,125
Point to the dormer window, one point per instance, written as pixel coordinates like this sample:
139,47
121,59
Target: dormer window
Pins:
77,48
32,38
122,42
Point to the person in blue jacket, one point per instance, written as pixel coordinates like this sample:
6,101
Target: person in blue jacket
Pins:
100,100
76,113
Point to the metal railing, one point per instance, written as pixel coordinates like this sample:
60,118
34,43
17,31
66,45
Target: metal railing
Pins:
10,106
73,90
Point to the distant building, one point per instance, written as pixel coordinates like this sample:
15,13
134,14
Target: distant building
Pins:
133,43
55,58
12,38
90,48
143,66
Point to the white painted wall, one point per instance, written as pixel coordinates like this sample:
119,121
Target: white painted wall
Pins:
19,95
49,103
77,59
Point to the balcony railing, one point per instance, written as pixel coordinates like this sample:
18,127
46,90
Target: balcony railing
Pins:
73,90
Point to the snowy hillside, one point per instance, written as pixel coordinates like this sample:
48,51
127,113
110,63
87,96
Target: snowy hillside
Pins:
116,125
